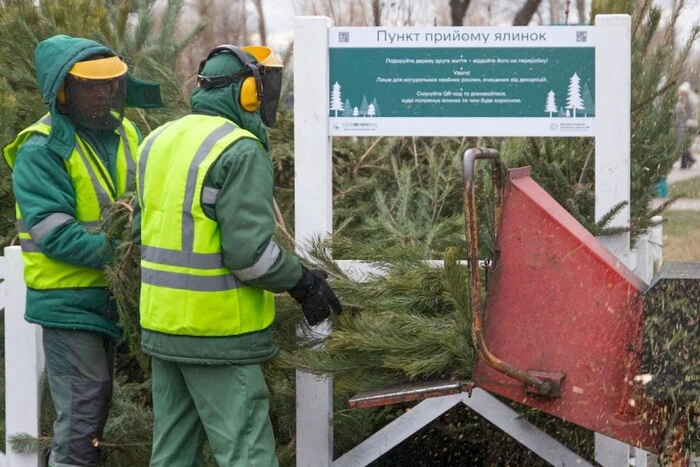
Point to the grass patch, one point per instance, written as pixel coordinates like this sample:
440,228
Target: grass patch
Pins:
686,188
681,235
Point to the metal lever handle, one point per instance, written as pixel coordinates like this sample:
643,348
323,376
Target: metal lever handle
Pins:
543,387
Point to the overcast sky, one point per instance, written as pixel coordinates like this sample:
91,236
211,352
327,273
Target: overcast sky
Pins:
280,17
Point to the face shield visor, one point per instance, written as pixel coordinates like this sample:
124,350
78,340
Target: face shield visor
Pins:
270,70
95,92
262,80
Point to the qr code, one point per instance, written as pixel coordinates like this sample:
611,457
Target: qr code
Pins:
581,36
344,36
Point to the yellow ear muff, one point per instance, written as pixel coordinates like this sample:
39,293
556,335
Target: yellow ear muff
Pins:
249,100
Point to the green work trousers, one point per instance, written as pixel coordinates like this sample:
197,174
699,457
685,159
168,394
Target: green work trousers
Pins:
227,404
80,369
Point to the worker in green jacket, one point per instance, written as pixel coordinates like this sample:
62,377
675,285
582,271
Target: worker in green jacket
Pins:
210,266
68,168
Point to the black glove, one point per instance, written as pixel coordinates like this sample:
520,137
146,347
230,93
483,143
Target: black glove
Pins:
315,296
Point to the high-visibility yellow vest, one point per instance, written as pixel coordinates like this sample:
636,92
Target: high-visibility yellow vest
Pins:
94,192
185,289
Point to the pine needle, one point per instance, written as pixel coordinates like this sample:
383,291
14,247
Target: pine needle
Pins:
124,279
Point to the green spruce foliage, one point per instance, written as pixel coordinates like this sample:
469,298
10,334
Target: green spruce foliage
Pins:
565,167
131,28
410,323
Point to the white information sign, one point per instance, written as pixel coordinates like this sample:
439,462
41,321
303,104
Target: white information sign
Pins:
471,81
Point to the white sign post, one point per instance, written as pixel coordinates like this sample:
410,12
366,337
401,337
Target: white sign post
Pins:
24,364
612,142
612,163
313,217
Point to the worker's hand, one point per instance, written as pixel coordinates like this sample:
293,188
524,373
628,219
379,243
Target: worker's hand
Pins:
315,296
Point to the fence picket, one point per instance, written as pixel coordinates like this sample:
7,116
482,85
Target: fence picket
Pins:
2,296
24,363
3,461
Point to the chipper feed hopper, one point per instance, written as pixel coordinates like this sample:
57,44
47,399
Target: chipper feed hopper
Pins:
561,326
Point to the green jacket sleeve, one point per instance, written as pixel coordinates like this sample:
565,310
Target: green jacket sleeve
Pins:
244,210
42,187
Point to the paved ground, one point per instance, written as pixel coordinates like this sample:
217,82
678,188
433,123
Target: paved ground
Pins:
677,174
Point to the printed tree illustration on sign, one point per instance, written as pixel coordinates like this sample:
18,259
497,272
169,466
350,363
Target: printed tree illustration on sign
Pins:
370,110
363,106
551,106
588,103
347,108
377,113
336,99
573,99
355,112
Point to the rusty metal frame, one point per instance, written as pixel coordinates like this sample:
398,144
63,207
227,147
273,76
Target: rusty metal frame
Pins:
409,393
543,387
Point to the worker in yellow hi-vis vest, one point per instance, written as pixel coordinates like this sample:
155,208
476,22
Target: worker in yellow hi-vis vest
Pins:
68,168
209,265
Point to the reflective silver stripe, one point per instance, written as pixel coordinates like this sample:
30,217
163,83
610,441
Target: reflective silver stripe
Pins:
202,151
262,265
48,224
102,197
143,158
209,195
181,258
142,166
46,120
130,165
175,280
29,246
22,227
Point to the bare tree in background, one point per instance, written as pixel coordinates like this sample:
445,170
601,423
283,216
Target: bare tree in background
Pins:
555,11
352,13
262,30
458,8
415,12
526,12
377,12
225,24
366,13
489,12
581,7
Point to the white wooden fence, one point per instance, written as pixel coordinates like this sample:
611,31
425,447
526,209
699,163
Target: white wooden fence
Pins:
3,460
24,363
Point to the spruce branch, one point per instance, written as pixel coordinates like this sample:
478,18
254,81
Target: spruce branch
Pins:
124,278
362,158
281,225
24,443
411,323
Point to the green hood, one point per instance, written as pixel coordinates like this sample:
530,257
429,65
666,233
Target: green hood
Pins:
224,101
53,58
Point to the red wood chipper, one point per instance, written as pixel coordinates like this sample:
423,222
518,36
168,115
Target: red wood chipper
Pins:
561,329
